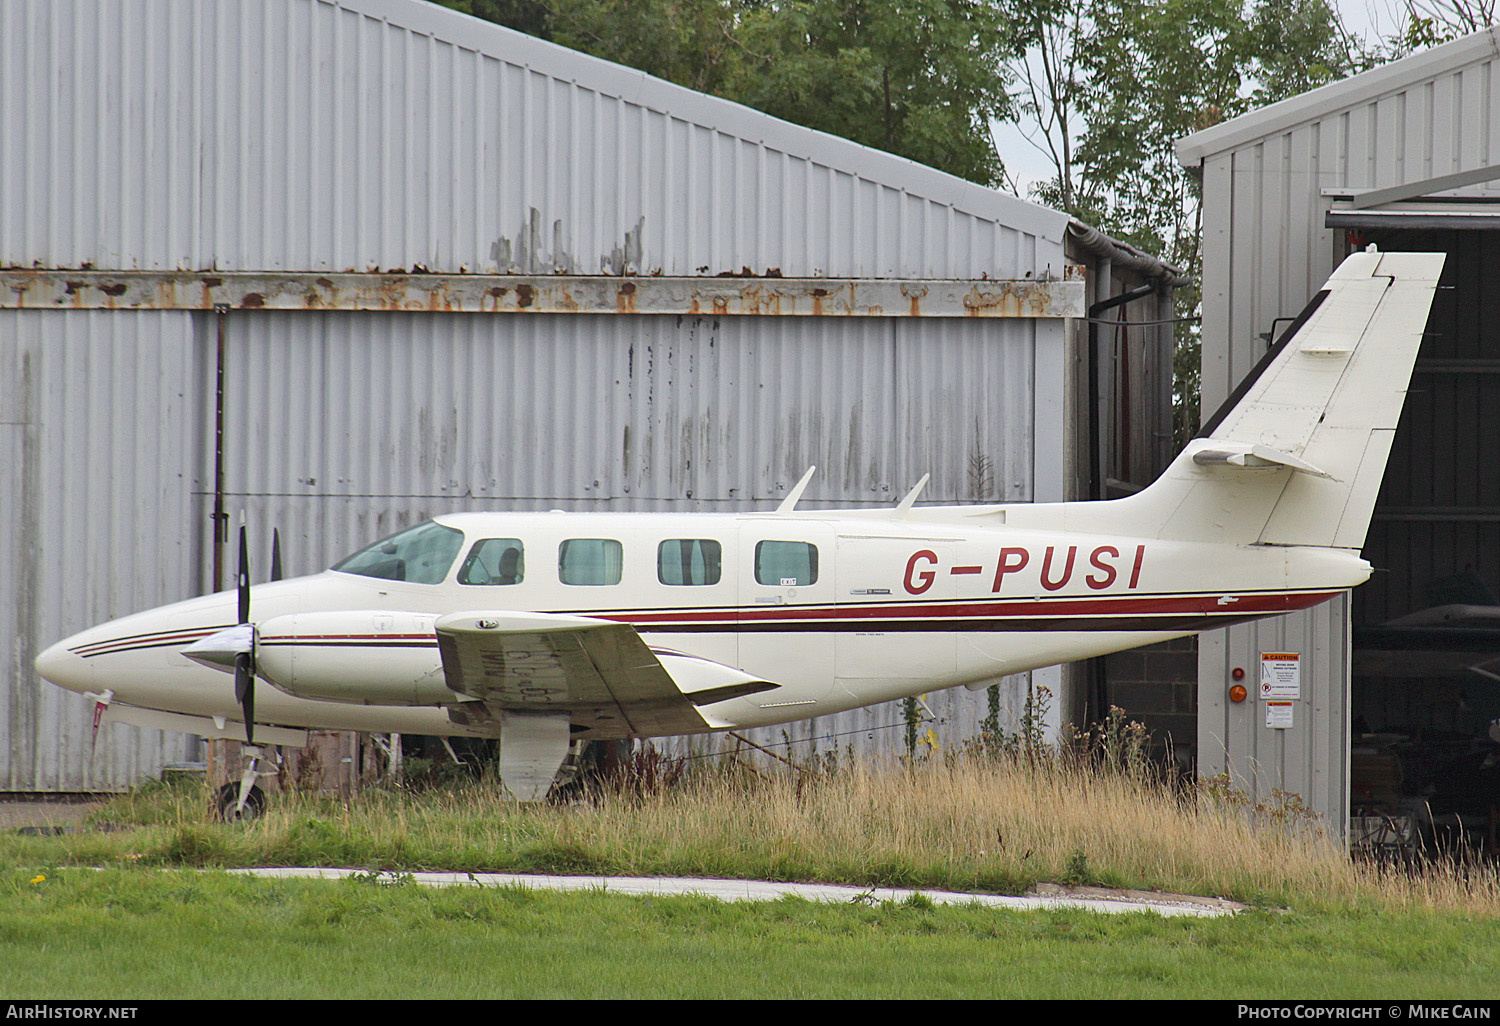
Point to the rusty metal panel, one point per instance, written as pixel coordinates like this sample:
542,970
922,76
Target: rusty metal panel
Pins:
728,296
398,135
97,423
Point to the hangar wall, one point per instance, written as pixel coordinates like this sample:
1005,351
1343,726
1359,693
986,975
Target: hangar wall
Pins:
379,135
435,413
1271,181
1271,177
98,415
364,137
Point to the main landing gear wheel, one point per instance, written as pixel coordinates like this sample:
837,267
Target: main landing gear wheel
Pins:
227,804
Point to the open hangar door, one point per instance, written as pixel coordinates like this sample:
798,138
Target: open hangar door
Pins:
1425,672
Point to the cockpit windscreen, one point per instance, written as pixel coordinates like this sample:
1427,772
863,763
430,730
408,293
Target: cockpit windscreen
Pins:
418,555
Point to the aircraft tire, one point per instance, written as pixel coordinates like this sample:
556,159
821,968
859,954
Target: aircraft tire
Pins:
228,798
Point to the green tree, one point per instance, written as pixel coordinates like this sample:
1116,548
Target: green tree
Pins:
1121,80
920,78
1430,22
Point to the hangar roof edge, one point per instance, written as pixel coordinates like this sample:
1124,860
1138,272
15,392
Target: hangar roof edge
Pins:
1193,149
637,87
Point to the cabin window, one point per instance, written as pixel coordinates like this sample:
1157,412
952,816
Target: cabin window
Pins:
690,561
494,561
786,564
590,561
417,555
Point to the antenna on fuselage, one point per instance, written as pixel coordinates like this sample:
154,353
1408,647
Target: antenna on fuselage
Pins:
904,506
790,502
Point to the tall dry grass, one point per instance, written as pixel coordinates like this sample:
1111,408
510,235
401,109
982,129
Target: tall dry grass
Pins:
999,822
1014,821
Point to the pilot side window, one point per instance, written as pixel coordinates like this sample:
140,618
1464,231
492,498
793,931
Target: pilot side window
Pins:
786,564
689,561
590,561
494,561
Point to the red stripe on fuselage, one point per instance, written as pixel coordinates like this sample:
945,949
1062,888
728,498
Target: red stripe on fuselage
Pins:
1059,612
1255,604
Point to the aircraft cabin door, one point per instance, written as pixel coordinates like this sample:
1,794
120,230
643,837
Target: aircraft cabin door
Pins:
788,621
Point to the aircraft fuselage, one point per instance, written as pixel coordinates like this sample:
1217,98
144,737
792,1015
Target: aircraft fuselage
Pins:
841,609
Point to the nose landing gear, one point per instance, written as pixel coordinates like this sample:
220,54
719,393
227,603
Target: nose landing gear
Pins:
244,801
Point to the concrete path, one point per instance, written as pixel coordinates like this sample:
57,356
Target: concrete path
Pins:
67,815
1092,899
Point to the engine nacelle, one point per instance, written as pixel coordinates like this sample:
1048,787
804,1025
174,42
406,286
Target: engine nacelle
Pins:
361,656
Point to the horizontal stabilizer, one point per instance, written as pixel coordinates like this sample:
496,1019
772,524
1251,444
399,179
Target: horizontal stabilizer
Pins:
1254,456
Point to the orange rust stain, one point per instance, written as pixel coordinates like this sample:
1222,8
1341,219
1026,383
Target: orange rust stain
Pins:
391,293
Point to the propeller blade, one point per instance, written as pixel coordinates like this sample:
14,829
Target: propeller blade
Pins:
244,577
244,693
276,554
244,662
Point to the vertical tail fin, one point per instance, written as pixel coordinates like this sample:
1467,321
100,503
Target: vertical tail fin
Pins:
1297,454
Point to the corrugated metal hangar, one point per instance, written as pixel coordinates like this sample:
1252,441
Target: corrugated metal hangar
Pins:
415,263
1399,684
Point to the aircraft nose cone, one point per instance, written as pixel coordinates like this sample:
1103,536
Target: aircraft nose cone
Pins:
64,668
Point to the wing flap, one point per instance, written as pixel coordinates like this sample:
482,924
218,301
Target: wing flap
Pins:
598,671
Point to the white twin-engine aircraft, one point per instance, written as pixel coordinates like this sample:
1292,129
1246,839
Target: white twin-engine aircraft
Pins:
548,628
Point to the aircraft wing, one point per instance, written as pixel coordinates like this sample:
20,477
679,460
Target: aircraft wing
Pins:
598,672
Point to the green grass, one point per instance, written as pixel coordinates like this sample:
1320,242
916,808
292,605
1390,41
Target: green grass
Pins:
156,920
980,825
133,934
